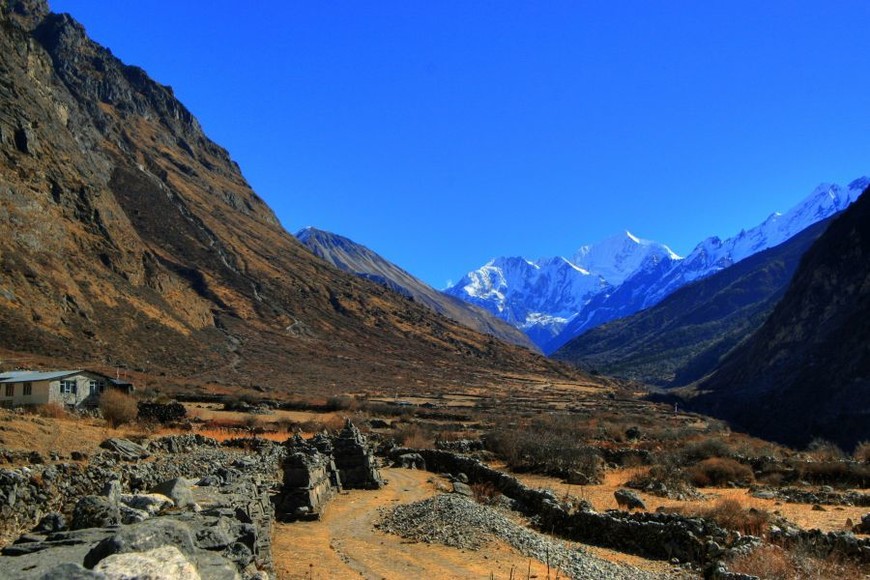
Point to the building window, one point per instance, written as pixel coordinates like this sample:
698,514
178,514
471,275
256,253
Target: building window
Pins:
28,389
10,390
68,387
92,387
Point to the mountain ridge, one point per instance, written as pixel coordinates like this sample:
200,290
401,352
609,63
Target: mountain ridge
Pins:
806,372
350,256
135,241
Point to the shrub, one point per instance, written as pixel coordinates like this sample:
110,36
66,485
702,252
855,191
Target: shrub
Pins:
835,473
776,563
341,403
485,493
414,436
862,452
719,471
51,411
118,407
729,514
705,449
824,450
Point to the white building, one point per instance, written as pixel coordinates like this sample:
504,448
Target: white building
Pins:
75,389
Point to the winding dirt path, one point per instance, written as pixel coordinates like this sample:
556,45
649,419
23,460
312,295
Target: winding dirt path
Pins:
345,544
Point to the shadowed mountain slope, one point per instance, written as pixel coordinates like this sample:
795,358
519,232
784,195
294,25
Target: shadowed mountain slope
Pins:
684,337
347,255
131,239
806,372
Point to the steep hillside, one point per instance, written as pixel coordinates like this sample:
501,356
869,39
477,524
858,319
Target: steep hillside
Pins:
131,239
683,337
806,372
349,256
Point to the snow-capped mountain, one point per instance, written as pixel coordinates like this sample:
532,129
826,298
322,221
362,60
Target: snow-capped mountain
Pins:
554,300
620,256
541,296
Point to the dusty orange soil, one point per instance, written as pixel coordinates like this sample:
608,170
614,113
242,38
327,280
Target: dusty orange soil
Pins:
344,543
601,497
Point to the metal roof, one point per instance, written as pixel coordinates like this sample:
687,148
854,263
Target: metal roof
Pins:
33,376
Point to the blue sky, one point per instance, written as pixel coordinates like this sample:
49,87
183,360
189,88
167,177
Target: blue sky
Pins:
442,134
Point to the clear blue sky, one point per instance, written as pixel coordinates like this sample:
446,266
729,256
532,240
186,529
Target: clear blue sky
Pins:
441,134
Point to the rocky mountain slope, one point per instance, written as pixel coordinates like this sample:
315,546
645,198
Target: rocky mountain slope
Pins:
131,239
684,336
554,303
355,258
806,372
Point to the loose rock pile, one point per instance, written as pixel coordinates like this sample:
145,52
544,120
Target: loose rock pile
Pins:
454,520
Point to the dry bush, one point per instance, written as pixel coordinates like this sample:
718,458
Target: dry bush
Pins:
51,411
862,452
705,449
835,473
118,408
540,449
776,563
719,471
729,513
414,436
485,493
341,403
824,450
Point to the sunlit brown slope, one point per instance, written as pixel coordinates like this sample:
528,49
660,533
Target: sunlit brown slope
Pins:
129,238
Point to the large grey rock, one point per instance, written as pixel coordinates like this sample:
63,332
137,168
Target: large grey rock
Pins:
53,522
163,563
178,490
153,503
125,448
112,490
411,461
144,536
629,499
94,511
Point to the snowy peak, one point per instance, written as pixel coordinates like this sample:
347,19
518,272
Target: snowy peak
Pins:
825,200
619,257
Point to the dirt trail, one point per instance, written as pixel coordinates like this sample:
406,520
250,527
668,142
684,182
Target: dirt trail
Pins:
344,543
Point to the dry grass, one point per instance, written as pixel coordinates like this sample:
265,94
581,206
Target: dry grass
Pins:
775,563
862,452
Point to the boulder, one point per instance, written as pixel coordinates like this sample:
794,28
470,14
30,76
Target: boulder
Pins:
165,562
125,448
411,461
53,522
629,499
94,511
153,503
462,489
178,490
141,537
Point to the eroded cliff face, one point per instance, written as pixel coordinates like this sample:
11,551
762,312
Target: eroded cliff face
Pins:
132,239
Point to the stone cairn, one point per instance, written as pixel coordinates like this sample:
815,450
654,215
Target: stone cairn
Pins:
355,460
314,471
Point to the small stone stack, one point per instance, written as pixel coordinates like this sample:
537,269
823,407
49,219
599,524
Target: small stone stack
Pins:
355,460
310,480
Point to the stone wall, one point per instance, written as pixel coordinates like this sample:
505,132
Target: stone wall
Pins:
652,535
234,524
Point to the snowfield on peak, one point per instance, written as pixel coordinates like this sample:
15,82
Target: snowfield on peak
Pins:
556,299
